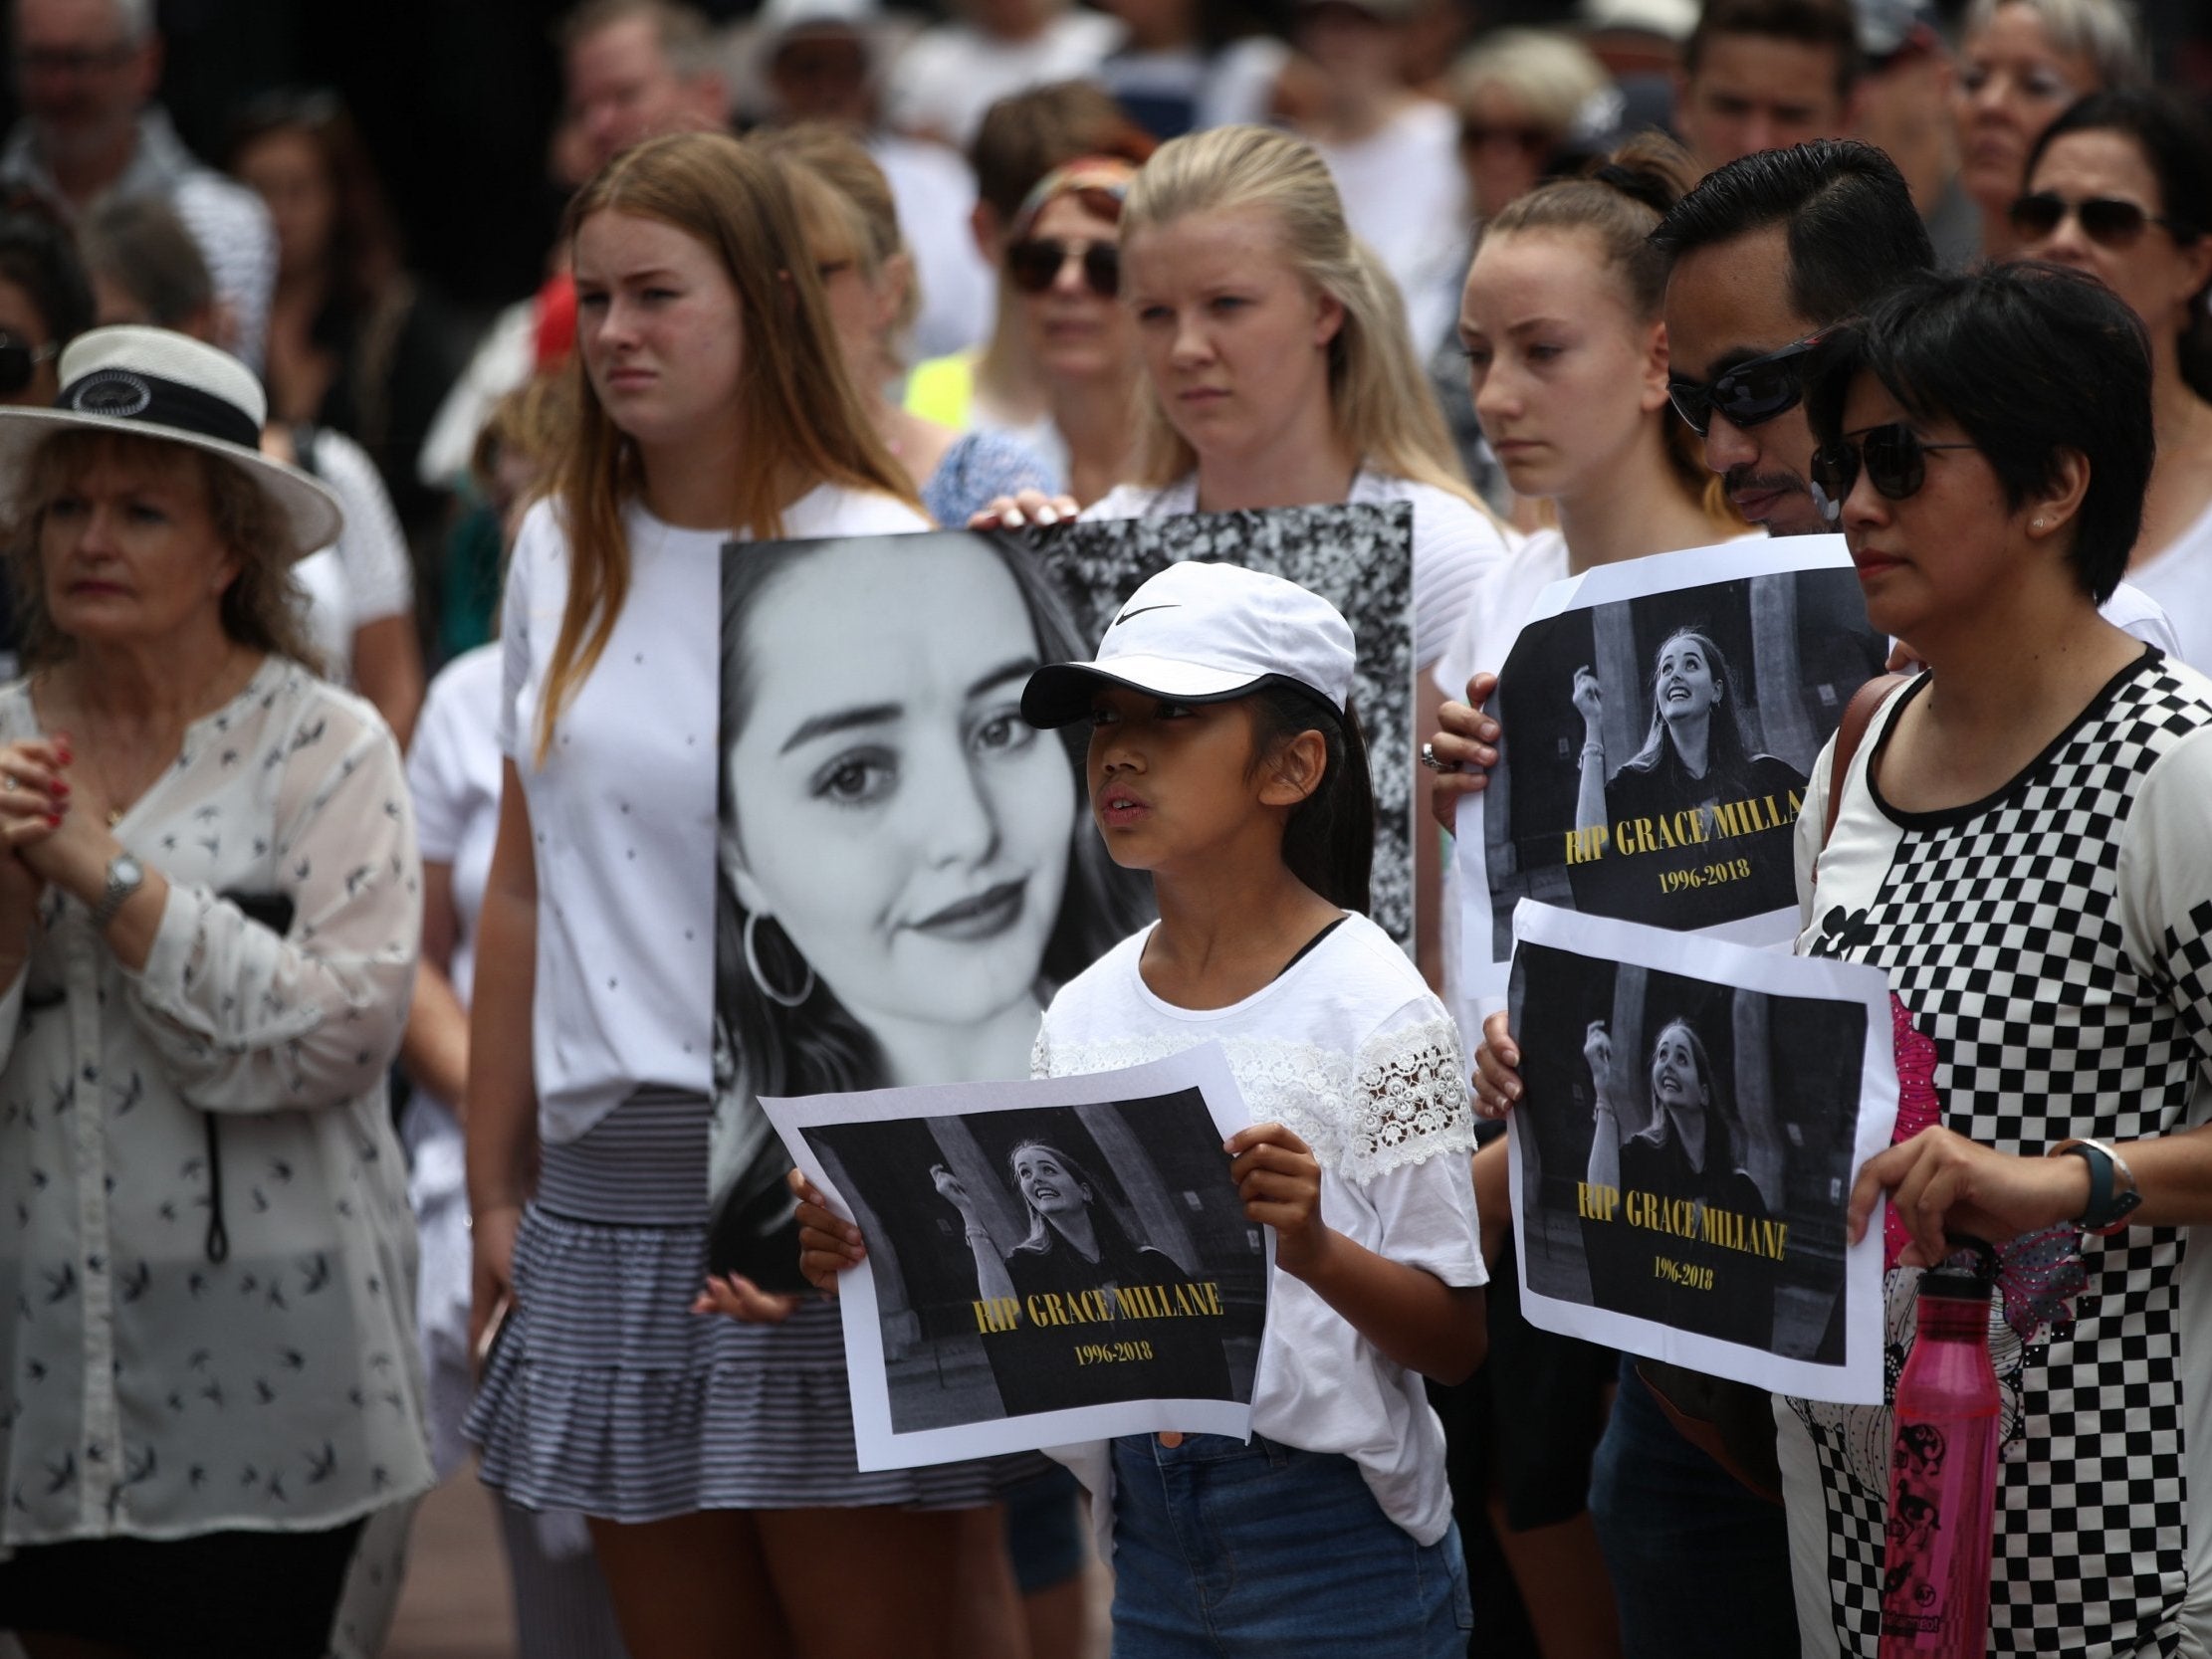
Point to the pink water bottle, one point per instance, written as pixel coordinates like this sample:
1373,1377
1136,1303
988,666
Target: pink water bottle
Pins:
1943,1474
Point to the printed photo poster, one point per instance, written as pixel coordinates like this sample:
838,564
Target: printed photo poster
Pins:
906,872
1359,558
1681,1158
1048,1262
1660,720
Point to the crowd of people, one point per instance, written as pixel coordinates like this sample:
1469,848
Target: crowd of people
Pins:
399,868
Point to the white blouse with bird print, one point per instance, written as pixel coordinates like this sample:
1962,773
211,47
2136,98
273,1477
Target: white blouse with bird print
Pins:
205,1248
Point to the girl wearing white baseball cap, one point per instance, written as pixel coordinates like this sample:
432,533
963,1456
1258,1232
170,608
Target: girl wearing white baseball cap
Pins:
1224,760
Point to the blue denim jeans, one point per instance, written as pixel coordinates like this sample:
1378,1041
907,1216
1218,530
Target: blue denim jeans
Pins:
1263,1551
1700,1566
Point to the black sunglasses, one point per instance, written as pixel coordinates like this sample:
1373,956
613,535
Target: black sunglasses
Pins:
1035,265
1749,393
2106,220
1896,458
19,360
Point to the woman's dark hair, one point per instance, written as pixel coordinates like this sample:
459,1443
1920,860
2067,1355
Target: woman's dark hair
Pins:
1726,753
2032,361
1329,840
2177,144
1116,1241
819,1046
364,256
39,255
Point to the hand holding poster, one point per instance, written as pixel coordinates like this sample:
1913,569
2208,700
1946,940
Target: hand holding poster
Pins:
1682,1152
1660,717
1047,1262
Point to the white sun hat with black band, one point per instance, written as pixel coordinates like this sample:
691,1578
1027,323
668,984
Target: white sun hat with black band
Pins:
155,383
1204,633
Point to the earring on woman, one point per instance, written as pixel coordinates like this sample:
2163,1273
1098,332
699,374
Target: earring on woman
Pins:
783,999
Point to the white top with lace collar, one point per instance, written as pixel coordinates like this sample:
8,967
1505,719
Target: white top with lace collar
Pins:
1350,1051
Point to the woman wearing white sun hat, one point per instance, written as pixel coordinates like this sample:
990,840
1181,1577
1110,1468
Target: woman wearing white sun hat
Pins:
208,921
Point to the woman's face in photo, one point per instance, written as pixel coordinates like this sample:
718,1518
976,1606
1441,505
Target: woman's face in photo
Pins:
893,813
284,168
1047,1185
1687,687
659,324
2012,83
1675,1086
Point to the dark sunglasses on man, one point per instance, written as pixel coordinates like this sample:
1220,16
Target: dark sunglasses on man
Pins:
1749,393
19,360
1894,456
1035,263
2106,221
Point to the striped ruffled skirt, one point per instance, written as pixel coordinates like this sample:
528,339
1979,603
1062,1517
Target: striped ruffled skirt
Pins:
607,1394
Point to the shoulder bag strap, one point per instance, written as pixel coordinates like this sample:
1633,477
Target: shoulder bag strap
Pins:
1851,731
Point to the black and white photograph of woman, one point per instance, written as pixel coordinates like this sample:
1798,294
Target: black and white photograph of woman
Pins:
1659,746
1684,1161
908,872
1036,1259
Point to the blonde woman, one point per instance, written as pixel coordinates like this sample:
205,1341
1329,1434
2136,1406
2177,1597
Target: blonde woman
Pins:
713,1459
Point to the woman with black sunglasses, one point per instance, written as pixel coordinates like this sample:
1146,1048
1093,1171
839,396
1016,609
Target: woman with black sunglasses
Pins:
2121,187
2019,844
1063,267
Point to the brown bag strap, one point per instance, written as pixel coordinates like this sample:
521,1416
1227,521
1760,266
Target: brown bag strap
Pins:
1851,731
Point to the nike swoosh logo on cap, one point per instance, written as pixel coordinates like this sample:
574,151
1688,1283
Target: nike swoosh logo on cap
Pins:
1139,612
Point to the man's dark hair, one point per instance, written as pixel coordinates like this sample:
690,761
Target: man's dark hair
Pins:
1026,135
2030,361
1853,232
1830,22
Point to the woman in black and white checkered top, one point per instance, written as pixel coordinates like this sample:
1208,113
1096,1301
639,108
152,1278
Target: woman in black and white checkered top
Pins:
2020,843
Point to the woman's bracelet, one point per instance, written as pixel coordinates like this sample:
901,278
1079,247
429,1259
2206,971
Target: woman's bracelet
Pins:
982,1233
1592,750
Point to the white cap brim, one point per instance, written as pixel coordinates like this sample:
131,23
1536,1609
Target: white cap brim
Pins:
1059,693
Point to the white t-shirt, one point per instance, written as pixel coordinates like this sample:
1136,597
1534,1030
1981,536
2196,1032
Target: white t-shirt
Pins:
1351,1053
2179,578
623,811
942,84
364,575
935,193
453,771
1406,196
1454,542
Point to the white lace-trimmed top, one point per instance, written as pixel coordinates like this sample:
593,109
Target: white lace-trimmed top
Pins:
1351,1052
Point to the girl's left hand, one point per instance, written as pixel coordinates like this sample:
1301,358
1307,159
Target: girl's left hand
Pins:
1280,1179
1941,1182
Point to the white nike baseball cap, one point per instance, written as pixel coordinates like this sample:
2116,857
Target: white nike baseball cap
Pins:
1204,633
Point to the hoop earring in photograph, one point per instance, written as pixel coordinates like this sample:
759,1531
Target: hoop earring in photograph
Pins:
783,999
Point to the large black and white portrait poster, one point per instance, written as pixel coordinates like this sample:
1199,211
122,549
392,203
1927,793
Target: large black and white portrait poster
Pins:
1048,1262
1682,1154
1661,719
907,872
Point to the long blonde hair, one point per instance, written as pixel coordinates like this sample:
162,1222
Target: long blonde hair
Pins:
804,423
1379,398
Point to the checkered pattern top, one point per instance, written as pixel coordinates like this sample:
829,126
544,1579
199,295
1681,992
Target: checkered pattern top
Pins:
2055,943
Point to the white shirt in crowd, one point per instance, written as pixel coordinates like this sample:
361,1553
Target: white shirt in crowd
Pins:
1454,542
2179,578
1406,196
624,836
944,83
161,1392
364,575
1350,1052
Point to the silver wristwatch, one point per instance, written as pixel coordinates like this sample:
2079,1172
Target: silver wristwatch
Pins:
126,875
